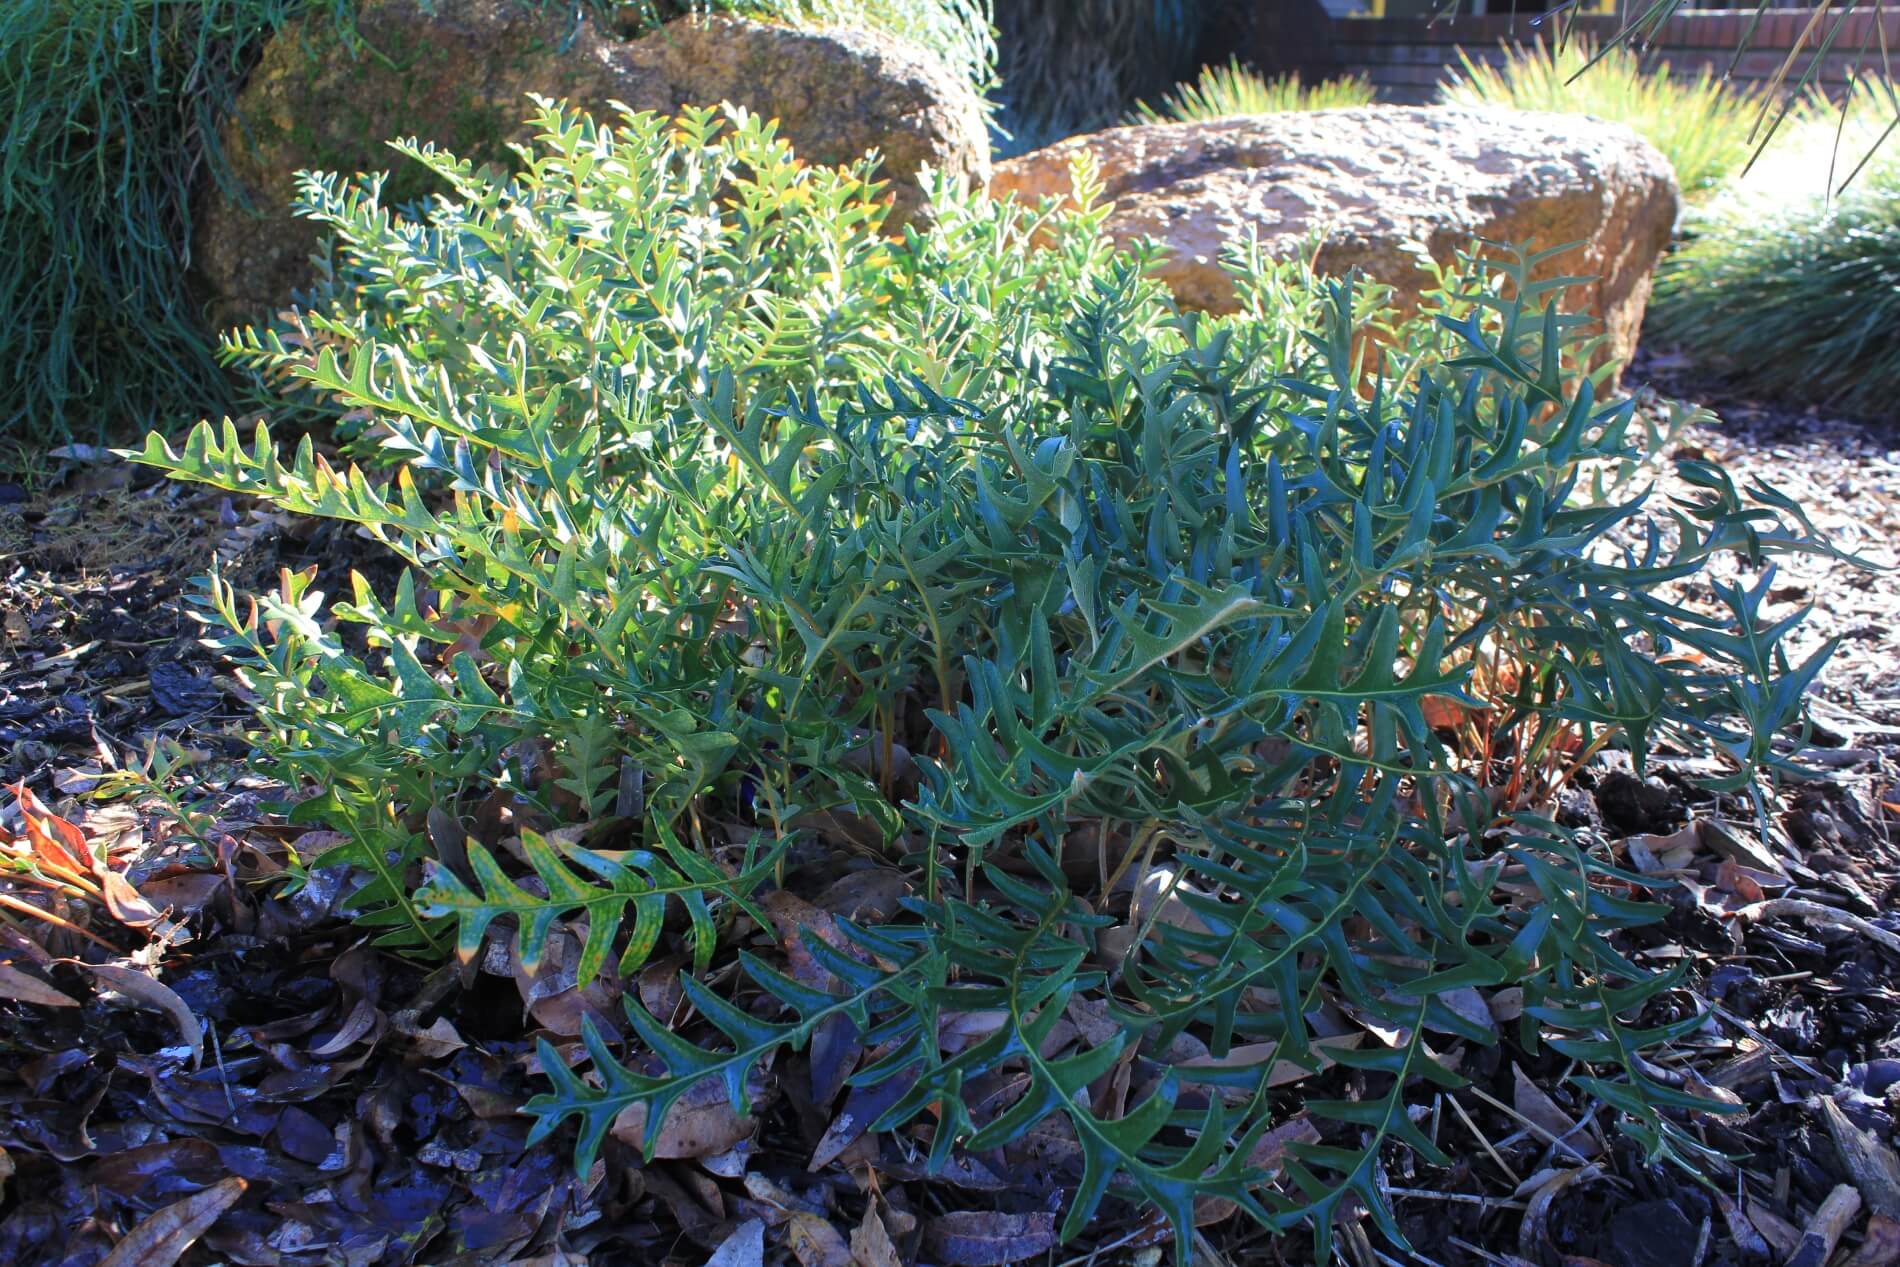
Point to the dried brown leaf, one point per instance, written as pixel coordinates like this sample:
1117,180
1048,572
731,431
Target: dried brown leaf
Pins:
440,1039
834,1052
744,1248
183,894
986,1238
815,1242
790,914
1283,1072
162,1238
1733,878
125,903
1466,1003
362,1018
156,996
1268,1155
1655,855
871,1244
700,1123
870,895
1536,1106
659,986
23,988
863,1105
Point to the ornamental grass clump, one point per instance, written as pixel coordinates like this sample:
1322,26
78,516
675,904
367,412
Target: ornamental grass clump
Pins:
1704,126
1205,682
1221,92
111,108
1072,66
1798,301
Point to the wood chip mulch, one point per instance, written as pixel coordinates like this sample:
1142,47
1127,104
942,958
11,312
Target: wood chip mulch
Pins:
336,1106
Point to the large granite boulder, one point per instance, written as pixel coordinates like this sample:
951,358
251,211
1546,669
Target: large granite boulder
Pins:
1375,184
458,72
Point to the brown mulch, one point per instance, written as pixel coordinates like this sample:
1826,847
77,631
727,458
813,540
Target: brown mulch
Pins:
1846,473
338,1105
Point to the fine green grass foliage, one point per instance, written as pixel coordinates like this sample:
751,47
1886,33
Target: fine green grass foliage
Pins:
1220,92
1799,301
1072,66
1703,126
1823,146
729,521
111,110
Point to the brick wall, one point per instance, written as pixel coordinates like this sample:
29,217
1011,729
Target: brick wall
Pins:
1406,58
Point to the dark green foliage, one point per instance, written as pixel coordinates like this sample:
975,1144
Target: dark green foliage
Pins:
112,108
716,496
1070,66
640,879
1800,302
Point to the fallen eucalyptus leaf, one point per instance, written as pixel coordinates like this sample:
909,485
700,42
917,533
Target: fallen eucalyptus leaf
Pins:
154,995
700,1124
163,1237
871,1244
22,988
987,1238
815,1242
744,1248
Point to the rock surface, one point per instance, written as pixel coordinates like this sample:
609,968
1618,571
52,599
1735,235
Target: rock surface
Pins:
1375,183
458,72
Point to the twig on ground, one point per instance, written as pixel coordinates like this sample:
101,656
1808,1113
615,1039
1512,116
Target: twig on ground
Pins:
1823,1231
1826,916
1464,1198
1869,1163
1545,1135
1757,1035
1472,1126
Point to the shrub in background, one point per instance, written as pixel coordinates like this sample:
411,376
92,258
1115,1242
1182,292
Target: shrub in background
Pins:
1701,125
1220,92
111,110
1071,66
729,521
1799,301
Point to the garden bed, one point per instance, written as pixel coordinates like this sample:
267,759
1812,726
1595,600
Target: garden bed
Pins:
370,1107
